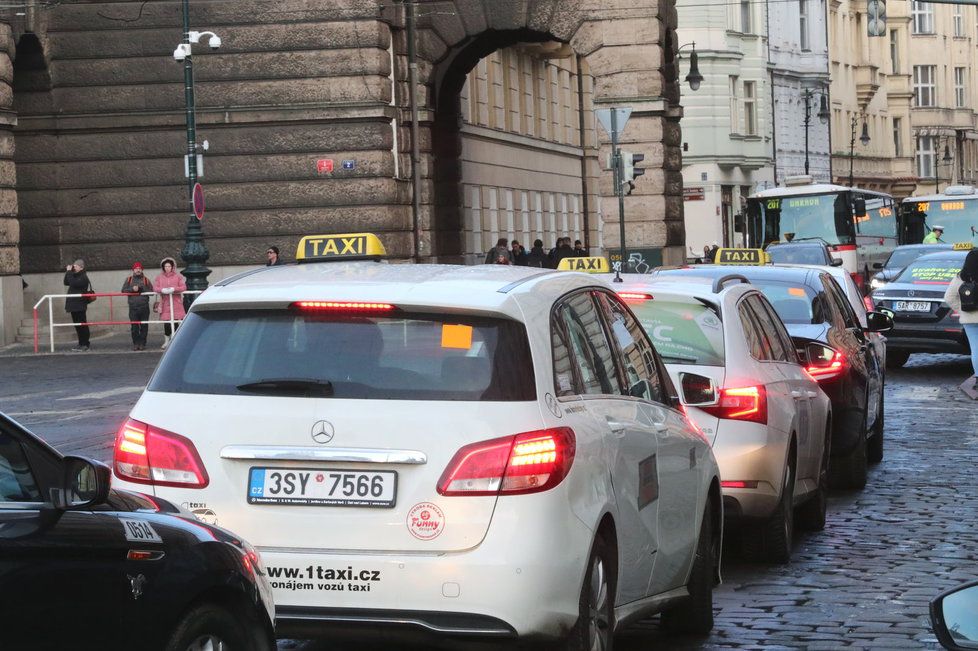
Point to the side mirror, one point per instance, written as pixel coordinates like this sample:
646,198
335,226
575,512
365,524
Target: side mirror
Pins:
85,483
836,262
878,322
877,265
952,616
697,389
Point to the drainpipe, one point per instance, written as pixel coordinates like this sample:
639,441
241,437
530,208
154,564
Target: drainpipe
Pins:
585,204
412,36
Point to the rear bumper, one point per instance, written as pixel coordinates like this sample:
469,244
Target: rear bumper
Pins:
404,624
940,338
750,452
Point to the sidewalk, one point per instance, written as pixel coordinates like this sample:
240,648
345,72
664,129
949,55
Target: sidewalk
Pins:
104,340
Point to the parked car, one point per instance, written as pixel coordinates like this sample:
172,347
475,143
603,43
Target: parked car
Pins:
899,259
86,567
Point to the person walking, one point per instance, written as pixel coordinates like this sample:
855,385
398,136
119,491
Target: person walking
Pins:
273,259
537,256
170,285
518,254
500,250
935,235
138,286
967,318
76,304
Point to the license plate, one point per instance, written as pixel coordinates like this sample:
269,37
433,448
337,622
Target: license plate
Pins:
911,306
304,487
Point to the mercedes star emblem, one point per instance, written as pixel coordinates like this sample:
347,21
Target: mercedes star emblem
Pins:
322,432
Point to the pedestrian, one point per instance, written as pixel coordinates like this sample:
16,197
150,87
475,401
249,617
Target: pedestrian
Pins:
518,254
537,256
138,287
76,304
711,252
967,318
934,237
501,249
564,250
273,259
170,285
579,249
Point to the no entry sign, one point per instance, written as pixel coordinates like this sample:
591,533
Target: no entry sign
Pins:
199,201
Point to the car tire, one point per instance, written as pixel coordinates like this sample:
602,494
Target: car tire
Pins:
770,541
214,623
874,450
595,623
695,615
897,358
811,516
849,472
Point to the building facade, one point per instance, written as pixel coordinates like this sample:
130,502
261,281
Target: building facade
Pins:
728,129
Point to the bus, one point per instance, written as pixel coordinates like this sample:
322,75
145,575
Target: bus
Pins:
858,226
956,210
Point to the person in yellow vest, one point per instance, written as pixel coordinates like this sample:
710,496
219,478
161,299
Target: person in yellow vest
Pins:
934,237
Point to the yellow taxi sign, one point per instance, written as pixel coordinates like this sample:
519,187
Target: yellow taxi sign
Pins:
740,256
589,265
963,246
347,246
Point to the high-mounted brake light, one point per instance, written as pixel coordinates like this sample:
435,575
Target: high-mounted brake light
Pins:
149,455
634,296
824,363
341,306
512,465
741,403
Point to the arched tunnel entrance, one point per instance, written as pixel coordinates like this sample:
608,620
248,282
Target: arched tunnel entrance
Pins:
514,151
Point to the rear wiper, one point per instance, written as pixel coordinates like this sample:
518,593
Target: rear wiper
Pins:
322,388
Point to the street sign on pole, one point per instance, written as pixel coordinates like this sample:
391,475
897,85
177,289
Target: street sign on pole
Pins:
199,201
610,123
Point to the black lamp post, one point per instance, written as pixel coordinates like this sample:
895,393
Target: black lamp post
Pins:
947,160
694,78
823,116
864,139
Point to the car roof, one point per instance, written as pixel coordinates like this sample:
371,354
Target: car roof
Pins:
485,288
695,288
925,246
795,273
818,243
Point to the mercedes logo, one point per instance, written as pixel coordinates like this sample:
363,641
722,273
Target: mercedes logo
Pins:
911,293
322,432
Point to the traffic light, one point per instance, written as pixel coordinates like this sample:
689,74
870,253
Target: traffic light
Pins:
876,17
629,171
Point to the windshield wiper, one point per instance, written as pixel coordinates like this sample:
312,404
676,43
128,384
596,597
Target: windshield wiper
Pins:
678,358
322,388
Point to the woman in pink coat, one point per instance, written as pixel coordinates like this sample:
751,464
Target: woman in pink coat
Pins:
167,284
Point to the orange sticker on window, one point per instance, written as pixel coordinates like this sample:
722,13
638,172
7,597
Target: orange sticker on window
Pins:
456,336
797,291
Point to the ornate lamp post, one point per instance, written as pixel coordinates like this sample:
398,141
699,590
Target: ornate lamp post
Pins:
864,139
823,116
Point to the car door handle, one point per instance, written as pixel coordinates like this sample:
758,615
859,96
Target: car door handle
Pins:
615,426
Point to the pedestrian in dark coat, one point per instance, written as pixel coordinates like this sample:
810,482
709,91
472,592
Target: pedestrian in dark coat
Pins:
273,259
518,253
139,287
579,249
77,282
563,251
501,250
537,256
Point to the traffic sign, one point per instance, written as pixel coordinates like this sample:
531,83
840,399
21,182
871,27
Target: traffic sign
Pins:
199,201
621,115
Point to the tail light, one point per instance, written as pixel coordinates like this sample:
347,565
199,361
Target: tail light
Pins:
739,484
743,403
340,306
513,465
148,455
634,297
824,363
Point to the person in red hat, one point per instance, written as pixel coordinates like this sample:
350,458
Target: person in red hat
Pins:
139,287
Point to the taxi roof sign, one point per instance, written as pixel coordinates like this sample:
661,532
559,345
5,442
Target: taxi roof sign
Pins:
589,265
346,246
741,256
963,246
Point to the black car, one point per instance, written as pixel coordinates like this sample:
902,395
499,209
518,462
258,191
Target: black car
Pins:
834,349
86,567
899,259
802,252
922,321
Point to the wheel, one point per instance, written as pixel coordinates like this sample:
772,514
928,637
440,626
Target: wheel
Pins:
849,472
896,358
695,615
771,541
594,630
874,451
811,516
211,627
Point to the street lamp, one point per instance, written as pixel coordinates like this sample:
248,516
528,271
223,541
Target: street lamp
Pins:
194,253
947,160
823,116
864,139
694,78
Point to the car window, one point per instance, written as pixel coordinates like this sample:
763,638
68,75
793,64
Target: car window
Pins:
590,348
638,361
797,254
841,302
17,483
902,257
770,341
752,332
400,356
778,331
670,325
565,384
795,302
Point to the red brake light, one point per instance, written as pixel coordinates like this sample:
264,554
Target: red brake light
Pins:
634,296
824,363
742,403
149,455
512,465
738,484
341,306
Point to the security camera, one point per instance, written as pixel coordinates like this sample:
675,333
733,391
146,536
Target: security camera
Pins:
181,52
214,42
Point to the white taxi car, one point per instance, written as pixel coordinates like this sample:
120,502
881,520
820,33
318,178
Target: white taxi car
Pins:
484,451
739,375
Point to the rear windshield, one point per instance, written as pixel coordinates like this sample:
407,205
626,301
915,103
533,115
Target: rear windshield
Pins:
931,272
794,254
402,357
902,257
683,333
795,303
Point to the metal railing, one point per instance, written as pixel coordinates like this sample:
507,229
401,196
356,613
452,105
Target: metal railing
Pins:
111,322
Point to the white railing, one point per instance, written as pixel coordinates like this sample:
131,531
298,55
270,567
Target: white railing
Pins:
110,295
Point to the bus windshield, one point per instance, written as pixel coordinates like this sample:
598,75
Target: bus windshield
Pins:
958,216
825,217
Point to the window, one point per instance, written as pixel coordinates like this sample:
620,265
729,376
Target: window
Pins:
750,108
746,23
641,375
760,347
923,17
770,342
925,86
837,297
590,349
925,156
17,482
803,25
958,21
959,87
734,106
895,51
781,344
669,324
897,137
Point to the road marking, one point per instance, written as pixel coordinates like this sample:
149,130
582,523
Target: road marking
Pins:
99,395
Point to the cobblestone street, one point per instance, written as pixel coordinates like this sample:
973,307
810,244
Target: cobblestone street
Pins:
864,582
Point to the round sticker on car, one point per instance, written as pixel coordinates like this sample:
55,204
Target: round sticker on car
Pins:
425,521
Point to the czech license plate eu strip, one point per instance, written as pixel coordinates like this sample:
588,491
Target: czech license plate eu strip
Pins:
311,487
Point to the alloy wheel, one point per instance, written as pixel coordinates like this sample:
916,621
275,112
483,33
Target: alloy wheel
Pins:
599,627
208,643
